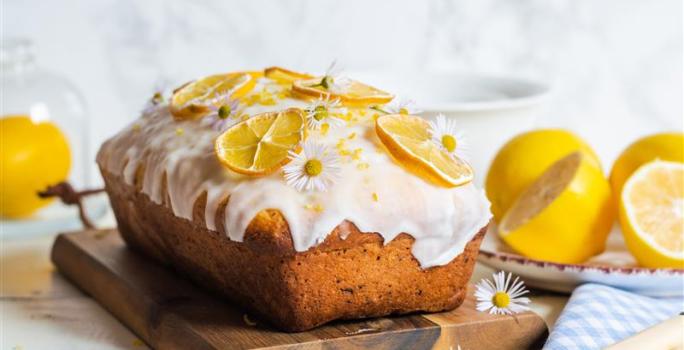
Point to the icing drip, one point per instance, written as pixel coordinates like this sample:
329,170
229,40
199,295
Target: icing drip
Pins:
373,192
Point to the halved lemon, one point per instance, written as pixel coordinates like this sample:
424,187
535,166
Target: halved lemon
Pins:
260,145
652,214
523,159
192,100
408,140
354,93
664,146
564,216
284,76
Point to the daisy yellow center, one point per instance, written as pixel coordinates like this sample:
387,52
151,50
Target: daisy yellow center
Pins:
157,98
403,111
327,81
449,142
224,111
501,299
320,113
313,167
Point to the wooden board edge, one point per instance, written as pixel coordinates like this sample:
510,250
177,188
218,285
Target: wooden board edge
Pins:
78,267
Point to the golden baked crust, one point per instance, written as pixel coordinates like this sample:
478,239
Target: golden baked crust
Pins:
354,277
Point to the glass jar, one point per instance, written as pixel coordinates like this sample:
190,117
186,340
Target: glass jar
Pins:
30,90
33,95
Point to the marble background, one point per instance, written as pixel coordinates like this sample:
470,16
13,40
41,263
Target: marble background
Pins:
615,65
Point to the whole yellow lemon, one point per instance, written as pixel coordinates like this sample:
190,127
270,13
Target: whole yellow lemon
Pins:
667,146
33,155
524,158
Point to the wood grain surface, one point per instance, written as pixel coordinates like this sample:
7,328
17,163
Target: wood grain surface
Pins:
169,312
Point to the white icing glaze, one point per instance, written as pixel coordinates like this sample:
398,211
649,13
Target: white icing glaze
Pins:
441,220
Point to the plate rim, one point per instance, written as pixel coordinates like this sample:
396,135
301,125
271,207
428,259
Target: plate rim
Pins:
606,269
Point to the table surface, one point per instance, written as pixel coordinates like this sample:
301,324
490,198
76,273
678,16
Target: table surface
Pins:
39,309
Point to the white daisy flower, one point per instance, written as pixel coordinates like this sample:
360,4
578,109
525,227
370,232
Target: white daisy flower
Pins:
501,296
314,168
445,134
223,113
322,111
401,106
333,82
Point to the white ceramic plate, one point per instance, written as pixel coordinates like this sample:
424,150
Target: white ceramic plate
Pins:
615,267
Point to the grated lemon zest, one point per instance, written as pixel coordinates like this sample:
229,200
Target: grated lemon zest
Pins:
325,128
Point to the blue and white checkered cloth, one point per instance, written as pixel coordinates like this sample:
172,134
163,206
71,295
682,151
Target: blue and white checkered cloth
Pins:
597,316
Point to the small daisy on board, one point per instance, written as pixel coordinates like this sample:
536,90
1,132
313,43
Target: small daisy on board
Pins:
501,297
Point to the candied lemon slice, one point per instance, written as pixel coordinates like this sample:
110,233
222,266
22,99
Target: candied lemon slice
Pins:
350,93
284,76
565,215
260,145
408,139
192,100
652,214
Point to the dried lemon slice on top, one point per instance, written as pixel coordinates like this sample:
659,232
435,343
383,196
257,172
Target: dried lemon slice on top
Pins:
260,145
192,100
409,140
349,92
284,76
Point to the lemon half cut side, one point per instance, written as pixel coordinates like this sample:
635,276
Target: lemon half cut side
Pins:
652,214
523,159
564,216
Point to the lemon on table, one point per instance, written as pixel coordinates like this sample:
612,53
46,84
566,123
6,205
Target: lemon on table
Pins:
408,140
350,93
33,155
285,76
663,146
652,214
260,145
192,100
523,159
564,216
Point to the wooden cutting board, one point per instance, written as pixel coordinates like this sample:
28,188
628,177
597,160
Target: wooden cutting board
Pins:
169,312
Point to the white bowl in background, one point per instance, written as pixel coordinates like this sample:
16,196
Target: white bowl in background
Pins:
489,110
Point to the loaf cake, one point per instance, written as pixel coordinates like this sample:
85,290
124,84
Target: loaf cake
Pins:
300,198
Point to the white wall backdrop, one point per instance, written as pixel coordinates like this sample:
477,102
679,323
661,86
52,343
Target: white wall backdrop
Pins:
615,65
